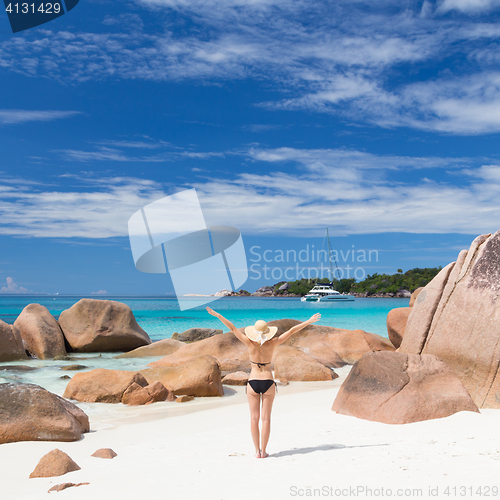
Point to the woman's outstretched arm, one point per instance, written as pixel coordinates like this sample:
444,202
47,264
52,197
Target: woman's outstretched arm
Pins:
237,333
297,328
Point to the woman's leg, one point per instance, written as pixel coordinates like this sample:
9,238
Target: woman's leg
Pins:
267,406
254,402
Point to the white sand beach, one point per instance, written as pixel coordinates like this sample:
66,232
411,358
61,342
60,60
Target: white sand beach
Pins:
202,449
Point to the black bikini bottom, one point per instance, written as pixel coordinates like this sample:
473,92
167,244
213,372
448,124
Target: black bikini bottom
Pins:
261,386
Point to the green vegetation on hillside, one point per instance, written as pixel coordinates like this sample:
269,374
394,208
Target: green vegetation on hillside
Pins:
387,283
372,284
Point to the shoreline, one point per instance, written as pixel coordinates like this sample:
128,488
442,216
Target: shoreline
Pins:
190,295
264,296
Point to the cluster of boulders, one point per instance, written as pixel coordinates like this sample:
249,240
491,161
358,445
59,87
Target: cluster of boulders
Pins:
231,293
116,386
448,356
456,317
198,368
310,355
88,326
275,291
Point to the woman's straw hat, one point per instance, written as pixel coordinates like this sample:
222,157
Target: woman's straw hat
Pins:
260,332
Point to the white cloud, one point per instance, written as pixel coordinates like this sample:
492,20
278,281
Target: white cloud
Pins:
100,292
105,154
465,105
133,144
12,288
340,191
348,58
100,211
468,6
348,160
258,128
14,116
353,192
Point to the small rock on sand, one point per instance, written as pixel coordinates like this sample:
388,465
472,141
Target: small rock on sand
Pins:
54,463
63,486
104,453
184,398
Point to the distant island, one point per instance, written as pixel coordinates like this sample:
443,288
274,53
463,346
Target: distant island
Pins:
374,285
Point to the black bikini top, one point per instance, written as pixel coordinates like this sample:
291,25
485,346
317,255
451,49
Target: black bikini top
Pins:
260,365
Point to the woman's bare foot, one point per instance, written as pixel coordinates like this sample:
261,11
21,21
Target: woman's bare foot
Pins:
263,454
257,454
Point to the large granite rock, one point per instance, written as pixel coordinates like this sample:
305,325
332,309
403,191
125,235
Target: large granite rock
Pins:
414,296
30,413
397,319
332,346
11,344
231,354
194,334
93,325
397,388
40,332
293,364
160,348
54,463
396,324
235,378
198,376
456,317
102,386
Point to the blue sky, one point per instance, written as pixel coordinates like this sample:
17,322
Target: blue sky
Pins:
379,120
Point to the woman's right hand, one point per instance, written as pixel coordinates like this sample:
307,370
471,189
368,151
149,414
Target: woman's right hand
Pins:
314,318
212,312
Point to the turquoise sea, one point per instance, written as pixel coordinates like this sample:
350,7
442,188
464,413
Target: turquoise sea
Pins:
160,317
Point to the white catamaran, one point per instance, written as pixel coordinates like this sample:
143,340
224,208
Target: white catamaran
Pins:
324,292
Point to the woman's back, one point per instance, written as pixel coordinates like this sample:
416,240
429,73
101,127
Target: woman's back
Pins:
261,353
260,359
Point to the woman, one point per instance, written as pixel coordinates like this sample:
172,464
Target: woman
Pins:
261,341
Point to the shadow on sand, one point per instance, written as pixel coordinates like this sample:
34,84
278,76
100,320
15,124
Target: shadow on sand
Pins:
321,447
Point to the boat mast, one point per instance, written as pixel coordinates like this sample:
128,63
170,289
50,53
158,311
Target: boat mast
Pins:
330,259
330,256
